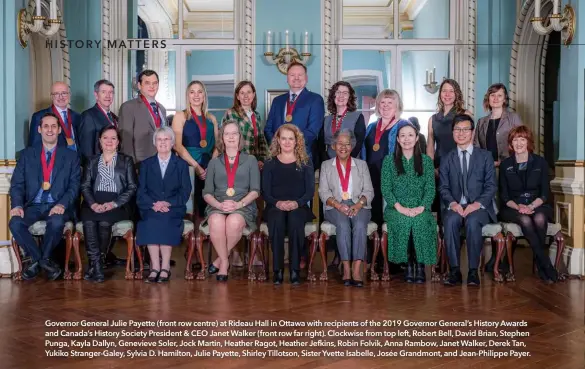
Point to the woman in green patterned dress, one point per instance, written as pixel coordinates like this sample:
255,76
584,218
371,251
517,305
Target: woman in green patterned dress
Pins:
408,186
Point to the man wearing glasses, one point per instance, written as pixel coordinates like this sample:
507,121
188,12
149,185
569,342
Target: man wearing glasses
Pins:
467,186
68,119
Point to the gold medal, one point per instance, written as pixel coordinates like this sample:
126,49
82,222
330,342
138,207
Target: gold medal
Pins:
203,143
69,141
46,186
376,147
288,118
345,196
230,192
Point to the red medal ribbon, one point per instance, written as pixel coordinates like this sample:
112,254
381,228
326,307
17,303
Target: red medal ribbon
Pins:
112,122
335,125
66,129
344,179
202,126
379,131
47,169
231,172
155,117
291,107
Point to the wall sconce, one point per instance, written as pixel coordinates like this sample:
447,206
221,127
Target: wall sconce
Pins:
28,23
564,23
286,55
431,86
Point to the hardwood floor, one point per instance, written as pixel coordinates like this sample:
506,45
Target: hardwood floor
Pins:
554,316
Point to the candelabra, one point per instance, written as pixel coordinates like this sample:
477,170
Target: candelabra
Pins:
28,23
431,86
287,54
564,23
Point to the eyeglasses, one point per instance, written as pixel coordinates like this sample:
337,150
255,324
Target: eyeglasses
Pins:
462,130
230,134
60,94
342,94
341,144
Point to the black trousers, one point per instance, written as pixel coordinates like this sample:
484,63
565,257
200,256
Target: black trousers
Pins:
474,222
280,223
98,236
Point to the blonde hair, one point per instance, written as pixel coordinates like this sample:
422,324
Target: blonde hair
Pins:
392,94
300,152
204,106
220,145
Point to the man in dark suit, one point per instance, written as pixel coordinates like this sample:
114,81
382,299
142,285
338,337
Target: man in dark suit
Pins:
301,107
68,119
467,185
44,186
140,117
96,118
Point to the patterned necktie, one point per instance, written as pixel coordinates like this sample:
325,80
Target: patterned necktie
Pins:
465,193
111,118
45,195
293,97
154,108
64,114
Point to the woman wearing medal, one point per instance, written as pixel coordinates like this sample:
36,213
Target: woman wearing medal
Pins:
288,184
346,190
232,185
195,131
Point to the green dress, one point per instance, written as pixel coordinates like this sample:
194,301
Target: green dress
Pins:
411,191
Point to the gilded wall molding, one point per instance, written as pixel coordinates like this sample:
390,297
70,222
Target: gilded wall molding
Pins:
248,34
328,67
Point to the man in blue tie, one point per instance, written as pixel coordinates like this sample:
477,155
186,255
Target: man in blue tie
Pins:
96,118
68,119
44,186
301,107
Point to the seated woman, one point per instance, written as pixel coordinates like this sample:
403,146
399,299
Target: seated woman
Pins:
108,188
346,190
524,189
288,184
164,187
231,188
408,186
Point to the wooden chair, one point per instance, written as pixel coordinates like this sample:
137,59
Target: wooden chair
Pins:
38,230
514,232
311,233
188,234
329,230
124,229
203,235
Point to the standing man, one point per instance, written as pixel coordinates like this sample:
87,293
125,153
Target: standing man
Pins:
68,119
467,185
96,118
140,117
44,186
301,107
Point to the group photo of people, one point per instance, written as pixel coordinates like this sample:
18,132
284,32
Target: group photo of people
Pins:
429,191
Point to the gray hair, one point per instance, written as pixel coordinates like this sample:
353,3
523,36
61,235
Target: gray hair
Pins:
164,130
345,132
98,84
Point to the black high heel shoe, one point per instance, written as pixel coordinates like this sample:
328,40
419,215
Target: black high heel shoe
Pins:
164,279
278,277
150,279
212,269
222,277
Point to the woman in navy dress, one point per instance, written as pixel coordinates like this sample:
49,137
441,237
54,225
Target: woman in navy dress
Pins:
164,187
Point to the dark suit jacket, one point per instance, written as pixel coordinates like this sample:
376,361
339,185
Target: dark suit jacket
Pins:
28,178
308,116
481,180
91,122
137,128
175,187
34,137
124,176
535,182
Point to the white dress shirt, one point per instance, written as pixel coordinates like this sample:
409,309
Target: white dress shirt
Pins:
163,164
469,149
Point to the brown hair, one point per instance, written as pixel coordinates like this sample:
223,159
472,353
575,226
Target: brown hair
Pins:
493,89
220,145
237,107
300,152
296,64
458,103
204,106
351,101
523,132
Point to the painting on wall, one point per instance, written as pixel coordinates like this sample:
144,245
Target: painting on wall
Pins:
269,96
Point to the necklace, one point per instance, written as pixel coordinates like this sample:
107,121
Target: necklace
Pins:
231,157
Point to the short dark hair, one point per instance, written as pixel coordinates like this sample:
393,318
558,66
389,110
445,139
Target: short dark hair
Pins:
110,127
98,84
296,64
148,73
462,118
492,89
49,114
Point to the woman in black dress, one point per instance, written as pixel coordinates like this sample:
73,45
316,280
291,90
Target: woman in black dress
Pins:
288,184
108,186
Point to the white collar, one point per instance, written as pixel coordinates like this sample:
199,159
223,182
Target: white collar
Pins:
163,161
291,92
469,150
334,162
59,109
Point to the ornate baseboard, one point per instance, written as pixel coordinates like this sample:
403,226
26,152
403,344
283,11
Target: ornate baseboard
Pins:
573,258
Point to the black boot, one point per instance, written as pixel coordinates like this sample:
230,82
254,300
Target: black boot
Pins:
409,274
295,277
278,276
92,247
420,274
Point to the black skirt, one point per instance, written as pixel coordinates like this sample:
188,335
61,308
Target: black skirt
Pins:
115,215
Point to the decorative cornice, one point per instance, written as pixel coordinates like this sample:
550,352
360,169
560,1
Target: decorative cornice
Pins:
328,68
105,38
7,163
471,52
570,163
248,70
567,186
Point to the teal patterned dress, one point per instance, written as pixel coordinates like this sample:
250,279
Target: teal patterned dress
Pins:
411,191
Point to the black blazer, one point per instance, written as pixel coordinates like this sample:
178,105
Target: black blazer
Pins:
481,180
27,177
524,189
91,122
124,176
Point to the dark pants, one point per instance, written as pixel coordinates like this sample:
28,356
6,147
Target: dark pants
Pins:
279,224
98,236
534,229
474,222
53,233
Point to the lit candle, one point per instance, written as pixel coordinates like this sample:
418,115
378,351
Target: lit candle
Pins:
556,7
434,74
306,48
286,39
38,7
537,8
427,80
269,42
